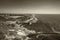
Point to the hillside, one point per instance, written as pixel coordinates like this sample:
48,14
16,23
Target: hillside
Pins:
44,24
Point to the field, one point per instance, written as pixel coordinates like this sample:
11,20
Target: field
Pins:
53,19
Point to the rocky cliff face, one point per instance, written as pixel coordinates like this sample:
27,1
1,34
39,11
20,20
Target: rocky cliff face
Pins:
14,28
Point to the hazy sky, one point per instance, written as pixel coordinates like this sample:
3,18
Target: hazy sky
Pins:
30,6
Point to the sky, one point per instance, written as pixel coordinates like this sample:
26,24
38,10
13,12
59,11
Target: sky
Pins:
30,6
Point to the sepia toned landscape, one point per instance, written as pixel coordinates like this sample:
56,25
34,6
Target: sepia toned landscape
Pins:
29,19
